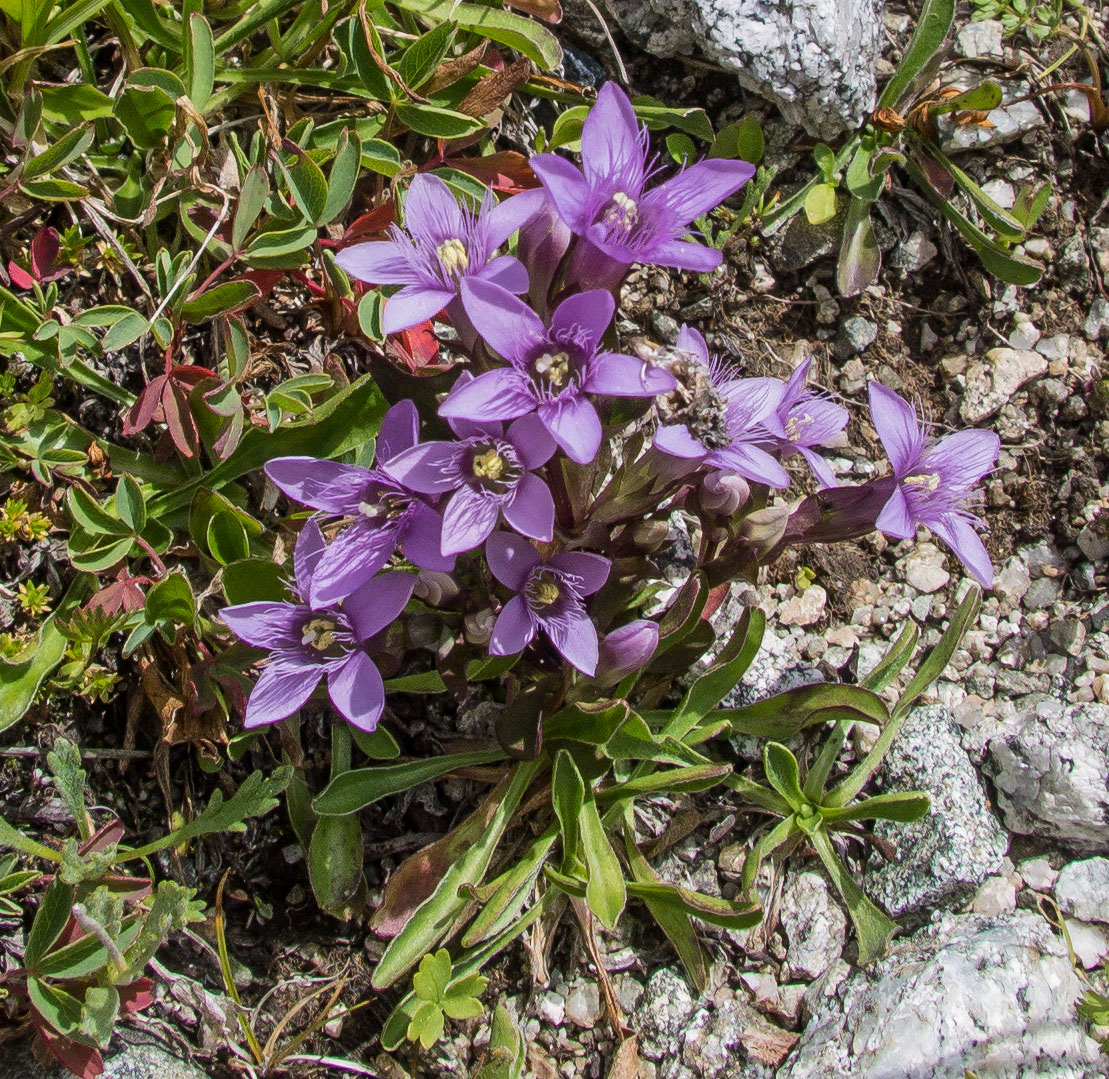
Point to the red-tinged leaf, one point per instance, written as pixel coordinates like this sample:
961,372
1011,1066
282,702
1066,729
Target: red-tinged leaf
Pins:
547,10
717,596
136,997
44,254
123,594
179,420
366,227
147,405
102,838
940,179
20,277
263,280
507,172
189,375
82,1060
415,348
317,290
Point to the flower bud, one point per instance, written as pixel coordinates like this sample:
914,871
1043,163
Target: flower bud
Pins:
724,492
764,528
435,588
625,650
479,626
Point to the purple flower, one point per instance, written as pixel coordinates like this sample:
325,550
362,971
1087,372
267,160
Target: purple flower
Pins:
551,369
714,417
934,479
548,598
606,205
804,419
383,513
444,244
625,650
490,472
309,641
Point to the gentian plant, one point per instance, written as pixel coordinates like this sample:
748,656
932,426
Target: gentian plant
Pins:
508,546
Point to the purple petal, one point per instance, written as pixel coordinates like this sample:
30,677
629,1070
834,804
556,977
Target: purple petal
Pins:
381,262
431,468
895,519
502,394
309,549
280,691
432,212
378,603
355,555
411,306
506,271
400,430
676,440
626,649
266,624
691,341
514,213
820,468
593,569
699,188
897,427
323,485
750,401
422,538
795,385
507,324
617,375
531,440
510,558
750,462
566,187
684,255
574,424
469,517
590,311
819,420
957,532
531,510
514,630
575,636
962,458
356,690
612,150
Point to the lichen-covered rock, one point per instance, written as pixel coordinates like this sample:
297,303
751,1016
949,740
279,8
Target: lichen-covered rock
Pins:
943,857
969,994
1052,775
1082,890
815,59
814,925
128,1062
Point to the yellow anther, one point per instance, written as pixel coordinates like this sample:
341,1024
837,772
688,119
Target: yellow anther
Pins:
489,465
926,481
319,634
452,254
554,367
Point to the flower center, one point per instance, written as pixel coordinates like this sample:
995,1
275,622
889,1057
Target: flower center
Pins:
387,507
489,465
452,255
543,590
494,467
926,481
795,426
553,367
319,634
621,212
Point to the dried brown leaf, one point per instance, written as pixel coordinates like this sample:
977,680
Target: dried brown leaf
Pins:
494,89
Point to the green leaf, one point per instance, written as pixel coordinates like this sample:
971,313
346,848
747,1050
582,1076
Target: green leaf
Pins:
64,762
427,1024
202,61
280,248
378,745
252,197
418,62
984,97
343,175
999,219
308,186
220,300
130,503
50,919
171,600
605,891
693,121
436,122
360,787
425,682
860,257
932,27
787,714
256,797
146,113
335,863
66,149
782,774
725,913
74,104
820,204
53,190
689,778
124,331
902,806
101,1008
91,516
680,147
742,139
227,539
897,655
568,798
97,553
431,980
463,1007
566,131
61,1010
253,579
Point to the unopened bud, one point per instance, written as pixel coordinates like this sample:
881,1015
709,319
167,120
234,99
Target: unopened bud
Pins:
724,492
764,528
479,626
435,588
625,650
649,535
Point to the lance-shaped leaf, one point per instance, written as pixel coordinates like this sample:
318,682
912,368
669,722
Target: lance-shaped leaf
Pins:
605,892
901,806
932,28
725,913
568,799
690,778
783,774
789,713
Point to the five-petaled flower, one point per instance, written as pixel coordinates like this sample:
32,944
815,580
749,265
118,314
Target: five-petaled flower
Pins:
548,598
606,203
934,479
715,418
444,245
490,471
804,419
551,369
382,513
309,641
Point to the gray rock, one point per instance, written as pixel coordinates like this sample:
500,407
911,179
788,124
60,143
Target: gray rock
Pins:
799,243
139,1061
1097,320
990,384
979,39
1038,874
814,924
814,59
583,1005
1009,123
991,996
1082,890
1052,775
856,335
663,1014
943,857
1088,941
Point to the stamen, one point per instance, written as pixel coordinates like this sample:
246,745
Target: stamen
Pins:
622,212
543,591
489,465
926,481
371,509
796,424
555,368
452,254
319,634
